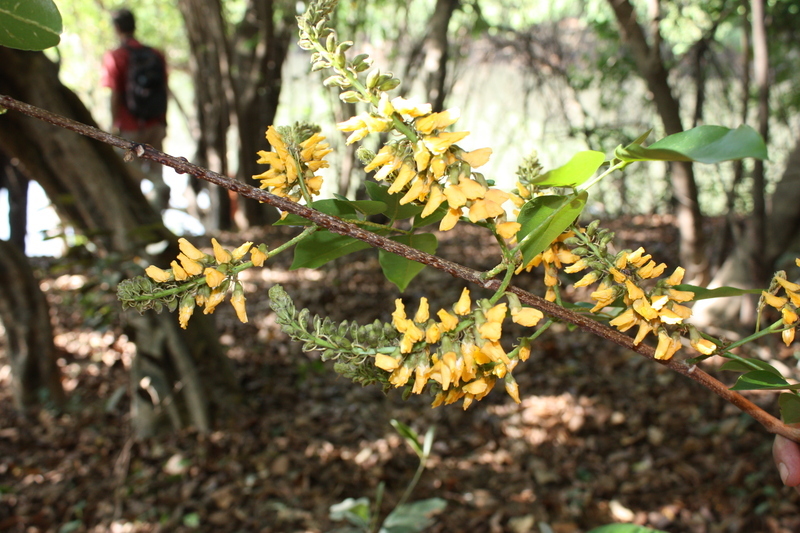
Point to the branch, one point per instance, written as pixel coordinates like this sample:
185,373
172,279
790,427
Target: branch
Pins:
337,225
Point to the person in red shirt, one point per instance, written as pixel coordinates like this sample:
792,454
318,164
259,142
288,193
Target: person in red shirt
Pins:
146,131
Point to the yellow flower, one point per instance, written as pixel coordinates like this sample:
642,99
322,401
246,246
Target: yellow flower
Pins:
157,275
437,121
438,144
508,230
789,315
449,321
190,251
489,206
185,310
237,300
192,267
410,107
220,254
423,312
464,304
239,252
257,257
450,219
786,284
588,279
476,387
386,362
214,277
178,271
435,199
788,336
404,177
477,158
384,156
400,376
625,320
491,331
433,333
643,307
217,297
512,389
704,346
421,374
634,292
527,316
667,346
676,277
775,301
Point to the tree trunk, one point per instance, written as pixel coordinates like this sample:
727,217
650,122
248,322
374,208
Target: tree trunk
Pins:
26,317
651,67
757,229
429,58
93,189
15,182
210,67
258,88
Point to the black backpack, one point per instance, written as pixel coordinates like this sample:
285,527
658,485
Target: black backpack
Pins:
146,86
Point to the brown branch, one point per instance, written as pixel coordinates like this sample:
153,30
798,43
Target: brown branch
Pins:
339,226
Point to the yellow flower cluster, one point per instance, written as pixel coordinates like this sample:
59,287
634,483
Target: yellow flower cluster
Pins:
216,274
787,305
288,162
554,258
432,170
650,310
469,358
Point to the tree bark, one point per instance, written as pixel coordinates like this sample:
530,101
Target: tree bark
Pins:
94,190
757,228
26,317
684,188
429,58
14,181
210,66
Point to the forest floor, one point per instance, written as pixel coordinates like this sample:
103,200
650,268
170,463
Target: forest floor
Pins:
602,435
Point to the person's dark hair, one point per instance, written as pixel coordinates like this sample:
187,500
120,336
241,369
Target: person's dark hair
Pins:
124,21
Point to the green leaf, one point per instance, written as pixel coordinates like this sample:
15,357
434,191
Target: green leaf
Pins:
394,210
355,511
413,517
324,246
400,270
741,366
411,437
704,144
762,380
365,207
624,528
701,293
790,407
29,24
544,218
580,168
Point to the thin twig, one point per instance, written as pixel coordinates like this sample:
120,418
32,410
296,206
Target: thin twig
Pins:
339,226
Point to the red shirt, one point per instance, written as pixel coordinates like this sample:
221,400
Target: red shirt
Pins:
114,76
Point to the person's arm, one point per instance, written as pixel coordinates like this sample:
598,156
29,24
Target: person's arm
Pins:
786,454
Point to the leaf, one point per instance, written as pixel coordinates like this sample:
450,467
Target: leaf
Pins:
624,528
30,24
394,210
790,407
366,207
400,270
355,511
704,144
762,380
337,208
411,437
701,293
740,366
413,517
580,168
324,246
544,218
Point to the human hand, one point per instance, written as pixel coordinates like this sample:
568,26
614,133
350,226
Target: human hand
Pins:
786,454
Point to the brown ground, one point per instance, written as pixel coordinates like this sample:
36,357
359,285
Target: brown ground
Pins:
601,435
